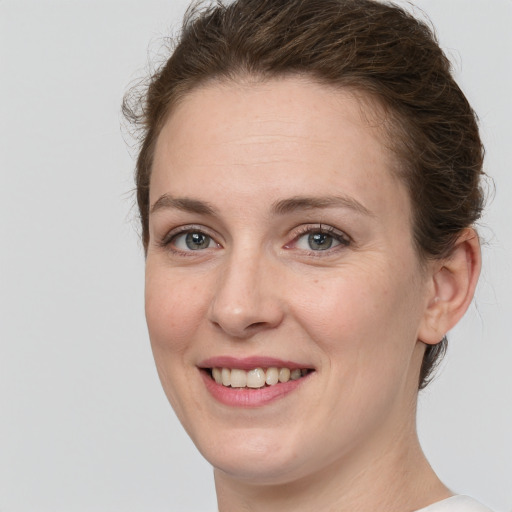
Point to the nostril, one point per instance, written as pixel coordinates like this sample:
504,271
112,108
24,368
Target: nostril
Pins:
244,313
257,325
242,331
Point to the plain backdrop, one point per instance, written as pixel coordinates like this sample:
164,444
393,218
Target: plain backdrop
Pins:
84,425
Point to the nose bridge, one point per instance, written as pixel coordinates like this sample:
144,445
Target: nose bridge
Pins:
245,299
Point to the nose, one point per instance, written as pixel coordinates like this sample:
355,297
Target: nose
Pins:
246,299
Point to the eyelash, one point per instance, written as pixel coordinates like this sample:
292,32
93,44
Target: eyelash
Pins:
169,238
340,237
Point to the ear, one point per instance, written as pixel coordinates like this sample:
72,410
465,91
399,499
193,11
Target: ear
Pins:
454,280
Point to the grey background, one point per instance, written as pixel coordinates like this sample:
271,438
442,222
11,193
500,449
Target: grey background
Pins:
84,425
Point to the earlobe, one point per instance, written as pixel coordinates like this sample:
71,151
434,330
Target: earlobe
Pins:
454,280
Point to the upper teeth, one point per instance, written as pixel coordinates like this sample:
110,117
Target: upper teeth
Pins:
255,378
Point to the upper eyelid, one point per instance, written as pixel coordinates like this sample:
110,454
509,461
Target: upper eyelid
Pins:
344,240
322,228
187,228
297,232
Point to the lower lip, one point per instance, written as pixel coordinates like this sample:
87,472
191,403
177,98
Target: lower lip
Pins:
249,397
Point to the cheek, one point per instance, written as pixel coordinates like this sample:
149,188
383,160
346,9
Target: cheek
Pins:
367,317
174,307
365,325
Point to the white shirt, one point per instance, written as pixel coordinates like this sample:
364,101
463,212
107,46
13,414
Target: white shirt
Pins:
456,504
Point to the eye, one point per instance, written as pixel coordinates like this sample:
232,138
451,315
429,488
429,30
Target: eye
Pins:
184,240
317,241
192,241
319,238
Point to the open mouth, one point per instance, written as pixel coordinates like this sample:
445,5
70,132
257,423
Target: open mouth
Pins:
257,377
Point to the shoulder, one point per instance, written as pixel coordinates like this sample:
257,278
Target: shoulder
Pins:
456,504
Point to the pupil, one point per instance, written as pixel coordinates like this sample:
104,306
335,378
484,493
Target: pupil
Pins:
320,241
197,241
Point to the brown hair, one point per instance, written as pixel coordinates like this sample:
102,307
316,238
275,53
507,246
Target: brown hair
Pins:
365,45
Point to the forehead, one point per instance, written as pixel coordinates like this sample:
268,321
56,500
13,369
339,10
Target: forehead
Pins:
295,104
272,133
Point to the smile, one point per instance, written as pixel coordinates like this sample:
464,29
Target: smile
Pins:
257,377
252,381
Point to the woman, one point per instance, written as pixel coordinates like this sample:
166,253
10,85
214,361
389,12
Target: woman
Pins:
307,182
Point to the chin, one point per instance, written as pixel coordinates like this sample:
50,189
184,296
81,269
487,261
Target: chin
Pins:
259,455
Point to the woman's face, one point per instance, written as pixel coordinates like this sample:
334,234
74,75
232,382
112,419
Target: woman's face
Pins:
281,240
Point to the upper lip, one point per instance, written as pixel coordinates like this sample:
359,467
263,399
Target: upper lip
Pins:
249,363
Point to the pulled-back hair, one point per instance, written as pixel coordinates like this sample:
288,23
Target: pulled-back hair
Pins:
376,48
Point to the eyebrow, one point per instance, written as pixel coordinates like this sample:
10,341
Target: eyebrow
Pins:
292,204
281,207
182,203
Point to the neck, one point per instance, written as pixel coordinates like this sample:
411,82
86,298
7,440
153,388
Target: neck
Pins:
393,478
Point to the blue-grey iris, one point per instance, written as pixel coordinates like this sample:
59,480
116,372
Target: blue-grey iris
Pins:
320,241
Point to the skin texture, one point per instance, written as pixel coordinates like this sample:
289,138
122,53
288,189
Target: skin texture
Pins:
346,438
